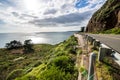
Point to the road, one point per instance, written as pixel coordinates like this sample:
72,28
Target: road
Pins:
113,41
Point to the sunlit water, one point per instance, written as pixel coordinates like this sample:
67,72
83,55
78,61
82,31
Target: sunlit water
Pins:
37,38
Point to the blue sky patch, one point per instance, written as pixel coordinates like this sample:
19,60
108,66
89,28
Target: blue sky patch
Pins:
6,2
81,3
2,22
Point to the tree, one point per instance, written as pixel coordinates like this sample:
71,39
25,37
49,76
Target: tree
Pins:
28,46
13,45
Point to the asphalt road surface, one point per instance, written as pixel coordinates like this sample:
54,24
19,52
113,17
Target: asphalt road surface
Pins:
113,41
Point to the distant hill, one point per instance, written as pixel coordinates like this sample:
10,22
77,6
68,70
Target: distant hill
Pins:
107,17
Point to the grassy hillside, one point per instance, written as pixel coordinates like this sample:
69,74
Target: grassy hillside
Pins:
48,62
10,62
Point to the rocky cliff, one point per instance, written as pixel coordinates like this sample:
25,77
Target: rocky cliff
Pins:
107,17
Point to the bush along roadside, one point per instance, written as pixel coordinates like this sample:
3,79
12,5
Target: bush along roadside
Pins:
115,30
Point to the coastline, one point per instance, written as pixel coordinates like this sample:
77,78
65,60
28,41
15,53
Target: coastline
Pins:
40,38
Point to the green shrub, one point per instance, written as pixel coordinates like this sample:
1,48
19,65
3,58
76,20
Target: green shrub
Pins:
53,74
60,53
83,71
64,63
79,51
14,74
113,31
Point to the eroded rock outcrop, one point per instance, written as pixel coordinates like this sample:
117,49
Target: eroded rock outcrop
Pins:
107,17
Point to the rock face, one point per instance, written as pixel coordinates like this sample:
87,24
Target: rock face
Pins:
107,17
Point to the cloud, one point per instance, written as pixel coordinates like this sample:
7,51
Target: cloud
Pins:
48,13
51,11
2,22
68,19
1,4
23,16
15,14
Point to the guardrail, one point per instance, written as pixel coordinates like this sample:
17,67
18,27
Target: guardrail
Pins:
104,50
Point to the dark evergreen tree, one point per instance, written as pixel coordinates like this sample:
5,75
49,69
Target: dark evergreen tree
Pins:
28,46
13,45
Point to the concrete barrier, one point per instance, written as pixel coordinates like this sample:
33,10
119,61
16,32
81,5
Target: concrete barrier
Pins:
96,43
103,52
86,36
91,66
91,40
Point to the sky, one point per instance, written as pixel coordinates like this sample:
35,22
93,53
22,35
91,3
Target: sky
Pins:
46,15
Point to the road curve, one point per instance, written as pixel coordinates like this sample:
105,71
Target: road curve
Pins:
113,41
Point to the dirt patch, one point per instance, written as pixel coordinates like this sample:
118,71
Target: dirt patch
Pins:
17,51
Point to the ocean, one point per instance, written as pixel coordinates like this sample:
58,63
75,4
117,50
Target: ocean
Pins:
37,38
